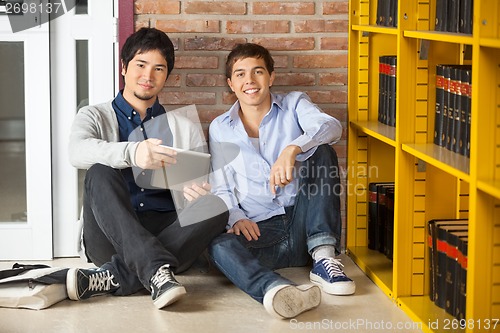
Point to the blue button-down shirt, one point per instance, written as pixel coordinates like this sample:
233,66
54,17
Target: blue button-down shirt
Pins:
241,178
142,197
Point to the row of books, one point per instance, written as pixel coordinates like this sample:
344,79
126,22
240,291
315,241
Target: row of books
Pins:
454,16
381,217
453,108
447,244
387,13
387,90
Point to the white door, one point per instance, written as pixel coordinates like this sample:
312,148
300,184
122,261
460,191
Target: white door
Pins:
25,141
83,53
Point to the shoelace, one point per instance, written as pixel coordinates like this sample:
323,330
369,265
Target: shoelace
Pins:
163,276
332,266
102,281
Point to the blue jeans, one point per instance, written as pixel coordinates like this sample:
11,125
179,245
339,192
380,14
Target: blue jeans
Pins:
286,240
133,246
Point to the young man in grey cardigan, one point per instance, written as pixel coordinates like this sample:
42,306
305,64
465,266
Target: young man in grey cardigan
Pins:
130,230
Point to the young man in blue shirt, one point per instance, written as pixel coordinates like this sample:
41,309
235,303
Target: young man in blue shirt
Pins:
282,189
132,231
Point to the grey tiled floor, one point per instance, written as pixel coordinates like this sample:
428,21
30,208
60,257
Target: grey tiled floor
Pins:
212,304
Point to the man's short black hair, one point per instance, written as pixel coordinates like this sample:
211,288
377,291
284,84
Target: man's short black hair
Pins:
148,39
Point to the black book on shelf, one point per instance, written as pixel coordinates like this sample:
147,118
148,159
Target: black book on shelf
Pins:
441,15
395,8
466,100
382,216
455,144
453,17
432,226
383,11
461,291
463,108
446,101
452,277
438,120
466,7
389,226
373,214
442,261
390,20
381,88
378,21
450,128
391,121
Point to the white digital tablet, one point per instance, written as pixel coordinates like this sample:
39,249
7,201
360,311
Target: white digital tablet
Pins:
191,167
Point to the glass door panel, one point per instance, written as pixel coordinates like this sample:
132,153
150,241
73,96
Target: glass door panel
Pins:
12,139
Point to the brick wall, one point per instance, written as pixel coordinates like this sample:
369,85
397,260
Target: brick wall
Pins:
308,40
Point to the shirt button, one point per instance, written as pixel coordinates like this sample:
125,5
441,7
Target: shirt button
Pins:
142,190
133,112
129,118
141,204
143,173
142,129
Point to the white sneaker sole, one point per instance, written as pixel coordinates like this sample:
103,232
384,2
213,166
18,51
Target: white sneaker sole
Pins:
71,284
287,301
341,288
170,297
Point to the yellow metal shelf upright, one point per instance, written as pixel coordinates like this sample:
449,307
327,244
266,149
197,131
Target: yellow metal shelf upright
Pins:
430,181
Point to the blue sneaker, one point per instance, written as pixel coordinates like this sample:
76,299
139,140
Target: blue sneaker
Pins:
328,275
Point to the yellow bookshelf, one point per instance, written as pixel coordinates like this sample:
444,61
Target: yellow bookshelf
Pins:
430,181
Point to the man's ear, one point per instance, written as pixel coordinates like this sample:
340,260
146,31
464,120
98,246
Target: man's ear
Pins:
230,84
124,70
271,79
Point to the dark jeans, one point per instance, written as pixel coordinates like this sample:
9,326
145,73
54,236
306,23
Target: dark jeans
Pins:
286,240
133,246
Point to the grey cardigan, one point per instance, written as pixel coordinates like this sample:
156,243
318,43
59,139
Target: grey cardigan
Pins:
95,139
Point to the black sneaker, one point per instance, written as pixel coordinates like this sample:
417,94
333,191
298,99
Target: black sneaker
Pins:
165,289
85,283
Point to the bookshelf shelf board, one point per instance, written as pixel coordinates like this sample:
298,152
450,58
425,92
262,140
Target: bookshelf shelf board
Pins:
375,265
379,131
440,36
491,187
490,42
440,157
422,310
375,29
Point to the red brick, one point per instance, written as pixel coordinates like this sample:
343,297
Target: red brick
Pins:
174,80
280,61
228,97
206,80
213,7
294,79
207,116
186,98
286,44
196,62
257,26
188,25
334,43
333,79
141,24
283,8
328,97
309,26
212,43
157,7
320,61
337,7
339,113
